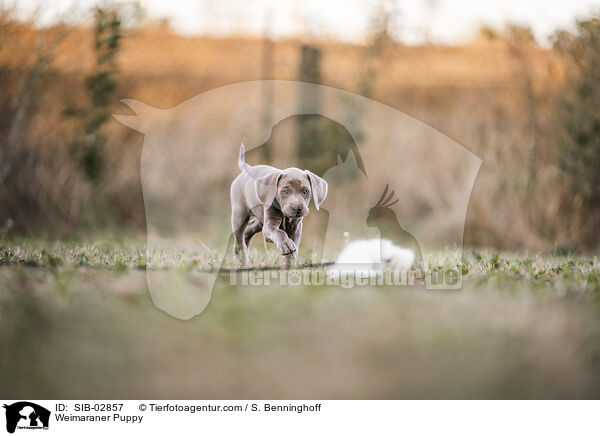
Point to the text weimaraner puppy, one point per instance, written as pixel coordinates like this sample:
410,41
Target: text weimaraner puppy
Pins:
273,201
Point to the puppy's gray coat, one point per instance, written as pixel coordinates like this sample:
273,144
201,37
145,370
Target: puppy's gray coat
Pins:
273,201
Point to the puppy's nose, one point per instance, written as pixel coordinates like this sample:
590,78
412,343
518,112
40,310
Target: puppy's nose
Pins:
297,209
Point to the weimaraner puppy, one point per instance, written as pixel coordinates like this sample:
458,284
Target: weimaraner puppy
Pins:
273,201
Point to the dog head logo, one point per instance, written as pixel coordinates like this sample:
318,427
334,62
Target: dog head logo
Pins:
190,157
26,415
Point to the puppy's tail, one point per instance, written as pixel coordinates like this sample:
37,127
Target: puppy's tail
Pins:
242,159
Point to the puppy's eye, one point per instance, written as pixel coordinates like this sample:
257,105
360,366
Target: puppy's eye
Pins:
305,191
285,191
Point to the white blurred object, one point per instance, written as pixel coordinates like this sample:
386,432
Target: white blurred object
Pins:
372,255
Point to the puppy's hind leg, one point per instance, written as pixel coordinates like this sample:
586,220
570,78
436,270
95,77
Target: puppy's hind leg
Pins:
253,227
239,221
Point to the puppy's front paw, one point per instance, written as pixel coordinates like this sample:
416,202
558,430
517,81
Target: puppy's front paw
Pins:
290,259
286,247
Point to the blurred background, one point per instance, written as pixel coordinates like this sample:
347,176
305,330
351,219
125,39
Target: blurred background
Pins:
514,83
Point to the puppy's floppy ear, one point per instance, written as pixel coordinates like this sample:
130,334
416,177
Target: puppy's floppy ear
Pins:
266,187
318,187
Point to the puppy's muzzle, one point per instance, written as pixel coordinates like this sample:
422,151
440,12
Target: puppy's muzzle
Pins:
296,211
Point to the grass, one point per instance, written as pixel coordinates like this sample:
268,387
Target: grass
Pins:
78,322
570,273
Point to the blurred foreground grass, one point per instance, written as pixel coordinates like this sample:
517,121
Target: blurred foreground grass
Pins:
76,321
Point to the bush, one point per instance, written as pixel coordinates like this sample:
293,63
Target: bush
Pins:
101,84
578,110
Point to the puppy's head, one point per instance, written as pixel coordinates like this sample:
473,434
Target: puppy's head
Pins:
292,190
